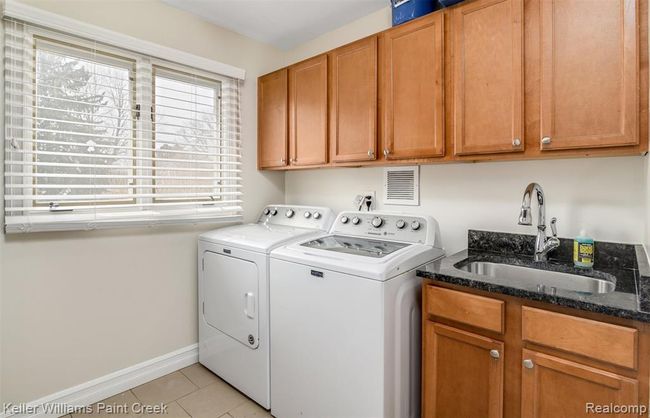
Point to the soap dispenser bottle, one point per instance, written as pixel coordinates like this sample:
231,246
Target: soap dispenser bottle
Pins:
583,251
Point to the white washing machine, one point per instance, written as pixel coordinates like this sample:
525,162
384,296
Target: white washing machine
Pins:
234,293
345,318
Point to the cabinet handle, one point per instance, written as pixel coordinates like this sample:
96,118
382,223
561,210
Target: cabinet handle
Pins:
546,140
283,161
371,153
528,363
516,142
386,152
495,354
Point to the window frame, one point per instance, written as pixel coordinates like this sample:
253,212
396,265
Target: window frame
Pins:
90,54
210,82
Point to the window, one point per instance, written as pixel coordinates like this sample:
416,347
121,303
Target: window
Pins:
97,136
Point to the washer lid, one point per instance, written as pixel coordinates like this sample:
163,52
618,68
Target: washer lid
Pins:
355,245
258,237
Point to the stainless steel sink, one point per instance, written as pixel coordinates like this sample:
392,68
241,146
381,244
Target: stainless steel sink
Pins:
545,281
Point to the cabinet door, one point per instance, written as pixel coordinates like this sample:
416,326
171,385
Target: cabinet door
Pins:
308,112
412,90
589,84
353,102
488,77
462,374
272,120
556,388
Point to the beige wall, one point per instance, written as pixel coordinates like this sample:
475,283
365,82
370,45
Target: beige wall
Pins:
605,196
78,305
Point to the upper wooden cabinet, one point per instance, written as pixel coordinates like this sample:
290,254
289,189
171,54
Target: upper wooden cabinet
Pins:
353,101
413,89
272,113
554,387
462,374
308,112
482,80
488,77
589,74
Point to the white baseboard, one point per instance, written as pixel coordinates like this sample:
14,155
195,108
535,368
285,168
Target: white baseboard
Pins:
111,384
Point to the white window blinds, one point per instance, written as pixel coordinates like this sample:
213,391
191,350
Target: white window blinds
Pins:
97,136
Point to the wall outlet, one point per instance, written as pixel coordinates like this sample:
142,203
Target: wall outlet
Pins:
359,200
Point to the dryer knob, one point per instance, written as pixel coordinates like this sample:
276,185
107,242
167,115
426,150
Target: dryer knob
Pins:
317,215
274,212
400,224
344,219
415,225
356,220
307,215
377,222
289,213
266,211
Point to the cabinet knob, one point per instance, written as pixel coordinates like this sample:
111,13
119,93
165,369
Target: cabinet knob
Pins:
283,160
386,152
528,363
516,142
371,153
546,140
495,354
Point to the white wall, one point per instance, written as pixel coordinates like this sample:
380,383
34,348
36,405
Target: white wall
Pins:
79,305
605,196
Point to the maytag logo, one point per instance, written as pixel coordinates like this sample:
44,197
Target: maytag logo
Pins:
317,273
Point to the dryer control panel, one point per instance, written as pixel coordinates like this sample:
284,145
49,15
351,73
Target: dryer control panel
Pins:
314,217
419,229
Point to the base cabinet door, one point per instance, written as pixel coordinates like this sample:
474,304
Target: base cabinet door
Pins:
412,89
488,77
553,387
462,374
308,112
589,73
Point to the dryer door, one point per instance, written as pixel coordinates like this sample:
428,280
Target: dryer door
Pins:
231,297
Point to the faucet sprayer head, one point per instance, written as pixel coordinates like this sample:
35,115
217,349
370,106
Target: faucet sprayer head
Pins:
524,216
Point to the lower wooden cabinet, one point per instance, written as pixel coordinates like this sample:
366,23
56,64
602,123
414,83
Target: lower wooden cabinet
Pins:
539,365
553,387
463,374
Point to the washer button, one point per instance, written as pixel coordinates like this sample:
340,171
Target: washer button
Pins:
377,222
266,211
289,213
400,224
344,219
317,215
274,212
356,220
307,215
415,225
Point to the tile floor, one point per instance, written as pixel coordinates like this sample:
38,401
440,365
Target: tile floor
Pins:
190,392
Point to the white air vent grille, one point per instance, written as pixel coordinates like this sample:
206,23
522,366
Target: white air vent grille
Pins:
402,185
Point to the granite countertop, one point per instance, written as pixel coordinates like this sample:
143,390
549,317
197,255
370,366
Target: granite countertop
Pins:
626,264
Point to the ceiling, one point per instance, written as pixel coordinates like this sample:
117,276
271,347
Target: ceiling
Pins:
282,23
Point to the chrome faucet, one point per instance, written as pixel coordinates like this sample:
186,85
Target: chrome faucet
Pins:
543,244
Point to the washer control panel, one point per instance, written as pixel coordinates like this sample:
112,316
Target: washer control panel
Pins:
317,217
386,225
